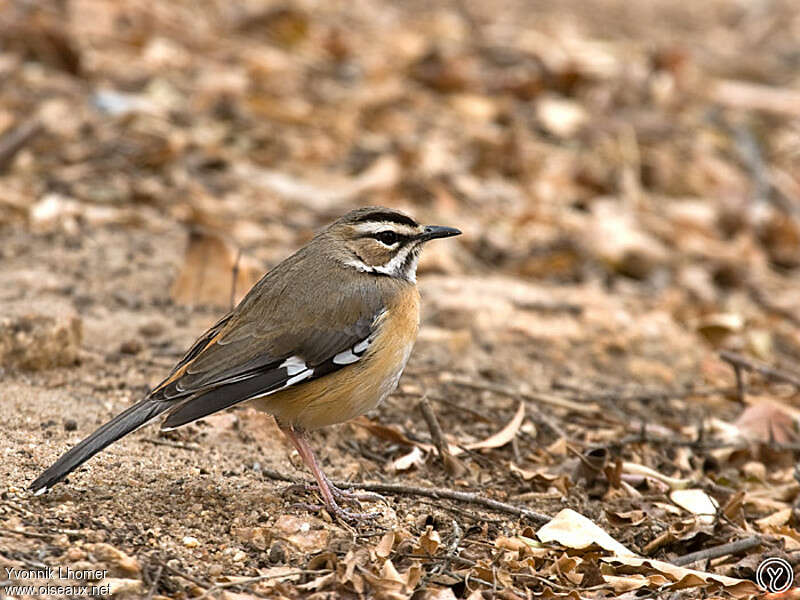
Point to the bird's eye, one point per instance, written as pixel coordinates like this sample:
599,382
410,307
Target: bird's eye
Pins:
389,238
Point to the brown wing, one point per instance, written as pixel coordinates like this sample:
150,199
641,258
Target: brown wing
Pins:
275,338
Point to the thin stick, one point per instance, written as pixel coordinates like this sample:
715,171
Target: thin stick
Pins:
437,435
737,360
30,534
717,551
171,444
435,493
186,576
257,578
235,276
453,466
16,139
741,388
539,397
154,585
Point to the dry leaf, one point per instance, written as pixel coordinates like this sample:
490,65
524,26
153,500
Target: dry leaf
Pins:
673,482
207,273
573,530
415,458
543,476
775,520
384,547
389,433
767,422
627,518
433,593
681,577
696,502
505,435
306,533
429,541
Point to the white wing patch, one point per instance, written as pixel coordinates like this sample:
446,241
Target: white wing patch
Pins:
293,365
345,358
354,354
299,377
302,375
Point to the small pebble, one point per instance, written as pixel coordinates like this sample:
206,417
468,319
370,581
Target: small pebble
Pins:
70,425
277,553
130,347
215,570
239,556
152,329
190,542
75,554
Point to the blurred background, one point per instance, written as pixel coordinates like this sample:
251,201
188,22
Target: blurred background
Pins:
626,174
652,143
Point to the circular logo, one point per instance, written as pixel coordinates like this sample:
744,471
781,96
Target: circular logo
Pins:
775,575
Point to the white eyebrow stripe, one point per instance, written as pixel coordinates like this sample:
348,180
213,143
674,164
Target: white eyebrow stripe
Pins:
375,227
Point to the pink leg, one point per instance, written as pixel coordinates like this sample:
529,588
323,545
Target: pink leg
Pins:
328,491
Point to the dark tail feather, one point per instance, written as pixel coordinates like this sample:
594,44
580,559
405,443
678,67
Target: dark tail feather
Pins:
225,396
133,418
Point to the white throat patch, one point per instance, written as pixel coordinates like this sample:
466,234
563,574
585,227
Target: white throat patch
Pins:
396,267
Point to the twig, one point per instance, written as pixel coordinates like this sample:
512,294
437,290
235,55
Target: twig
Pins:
16,139
742,362
171,444
433,425
235,276
464,409
257,578
717,551
30,534
435,493
199,582
154,585
753,158
534,413
474,516
754,96
539,397
452,547
452,465
641,394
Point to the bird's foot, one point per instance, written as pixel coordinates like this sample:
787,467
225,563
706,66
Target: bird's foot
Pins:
352,497
338,512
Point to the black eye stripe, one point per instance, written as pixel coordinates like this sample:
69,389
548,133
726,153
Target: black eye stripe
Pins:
396,237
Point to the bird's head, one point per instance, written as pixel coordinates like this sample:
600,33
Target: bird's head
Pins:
383,241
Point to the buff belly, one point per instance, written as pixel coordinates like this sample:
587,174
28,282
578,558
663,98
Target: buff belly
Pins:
356,388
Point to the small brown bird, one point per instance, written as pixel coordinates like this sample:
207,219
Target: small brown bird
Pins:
321,338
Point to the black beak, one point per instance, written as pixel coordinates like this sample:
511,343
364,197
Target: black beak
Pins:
432,232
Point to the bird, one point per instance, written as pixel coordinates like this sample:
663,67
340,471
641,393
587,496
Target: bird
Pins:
321,338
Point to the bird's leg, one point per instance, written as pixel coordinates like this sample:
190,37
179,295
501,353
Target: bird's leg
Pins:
329,492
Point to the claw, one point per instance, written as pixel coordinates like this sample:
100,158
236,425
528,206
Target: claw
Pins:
329,492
